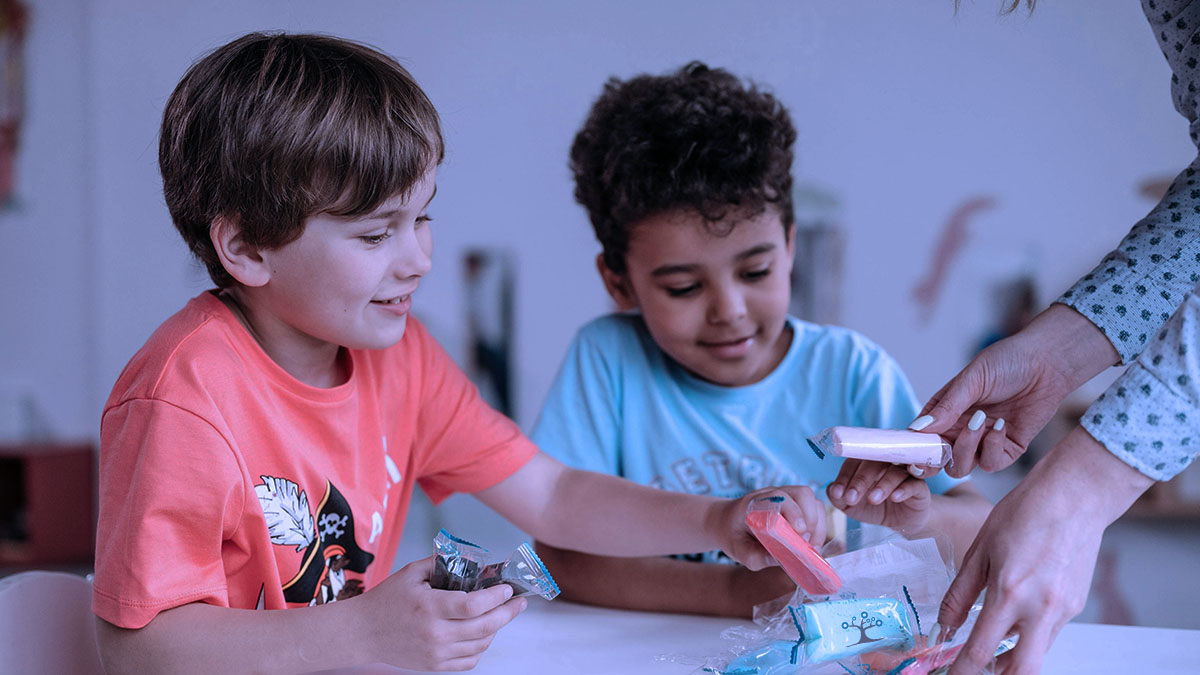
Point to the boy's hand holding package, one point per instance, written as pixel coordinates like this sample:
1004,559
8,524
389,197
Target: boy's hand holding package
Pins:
800,508
409,624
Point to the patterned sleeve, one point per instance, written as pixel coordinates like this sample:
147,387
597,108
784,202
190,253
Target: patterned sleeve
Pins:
1147,417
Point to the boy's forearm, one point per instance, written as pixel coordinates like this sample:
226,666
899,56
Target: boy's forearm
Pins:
603,514
958,514
660,584
598,513
201,638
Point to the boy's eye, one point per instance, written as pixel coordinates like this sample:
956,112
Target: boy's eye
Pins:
425,218
682,291
755,275
376,238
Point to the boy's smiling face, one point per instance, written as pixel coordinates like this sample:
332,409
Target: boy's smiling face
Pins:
715,304
345,282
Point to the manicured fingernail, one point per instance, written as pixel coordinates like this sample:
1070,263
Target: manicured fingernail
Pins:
806,536
999,424
876,496
916,471
836,491
976,420
898,495
921,422
851,496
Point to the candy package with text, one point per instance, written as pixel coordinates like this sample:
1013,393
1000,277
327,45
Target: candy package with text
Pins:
459,565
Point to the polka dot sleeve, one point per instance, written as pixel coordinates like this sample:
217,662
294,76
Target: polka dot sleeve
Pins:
1145,295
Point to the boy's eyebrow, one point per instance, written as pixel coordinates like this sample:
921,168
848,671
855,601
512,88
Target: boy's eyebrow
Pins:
391,212
668,270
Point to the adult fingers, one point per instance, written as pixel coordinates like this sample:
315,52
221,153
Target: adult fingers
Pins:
966,587
993,624
995,452
951,401
1027,656
966,445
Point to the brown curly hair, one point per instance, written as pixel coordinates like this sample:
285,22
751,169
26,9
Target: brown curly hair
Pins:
697,138
272,128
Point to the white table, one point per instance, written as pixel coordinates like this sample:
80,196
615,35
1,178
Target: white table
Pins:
561,637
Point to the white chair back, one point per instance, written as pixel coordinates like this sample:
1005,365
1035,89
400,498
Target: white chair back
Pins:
47,626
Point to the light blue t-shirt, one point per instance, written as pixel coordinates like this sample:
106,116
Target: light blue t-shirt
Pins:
621,406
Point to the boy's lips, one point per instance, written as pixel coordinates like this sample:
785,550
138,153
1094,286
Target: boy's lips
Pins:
728,348
397,305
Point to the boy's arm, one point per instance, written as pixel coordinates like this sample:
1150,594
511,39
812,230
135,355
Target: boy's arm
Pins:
597,513
663,584
402,622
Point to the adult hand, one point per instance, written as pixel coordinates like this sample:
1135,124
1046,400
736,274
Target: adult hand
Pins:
994,407
411,625
882,494
800,508
1036,553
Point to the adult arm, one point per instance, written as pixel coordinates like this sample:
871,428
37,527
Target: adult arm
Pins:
1037,551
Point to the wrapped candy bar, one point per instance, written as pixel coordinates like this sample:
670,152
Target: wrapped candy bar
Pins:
837,629
459,565
882,445
797,557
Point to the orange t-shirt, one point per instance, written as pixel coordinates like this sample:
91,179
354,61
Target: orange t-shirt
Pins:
225,480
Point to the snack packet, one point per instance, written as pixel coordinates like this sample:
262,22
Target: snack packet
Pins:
796,556
459,565
882,445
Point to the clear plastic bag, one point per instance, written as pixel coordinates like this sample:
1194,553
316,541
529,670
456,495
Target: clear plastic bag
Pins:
796,556
459,565
880,621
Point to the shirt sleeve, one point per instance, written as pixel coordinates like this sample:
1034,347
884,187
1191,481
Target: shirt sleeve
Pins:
1137,286
464,444
884,399
1149,416
160,532
580,421
1149,279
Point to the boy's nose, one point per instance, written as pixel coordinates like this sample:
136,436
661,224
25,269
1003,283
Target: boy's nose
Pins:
727,305
414,257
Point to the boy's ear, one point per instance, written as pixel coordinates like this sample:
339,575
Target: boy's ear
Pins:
243,262
617,285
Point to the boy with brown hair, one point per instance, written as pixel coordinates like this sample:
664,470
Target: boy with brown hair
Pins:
260,451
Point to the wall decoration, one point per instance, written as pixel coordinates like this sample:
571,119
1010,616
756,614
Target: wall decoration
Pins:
14,19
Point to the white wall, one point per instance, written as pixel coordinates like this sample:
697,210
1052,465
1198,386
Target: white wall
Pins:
904,110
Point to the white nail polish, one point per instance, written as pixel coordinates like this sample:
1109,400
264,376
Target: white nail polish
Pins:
976,420
916,471
999,424
921,422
